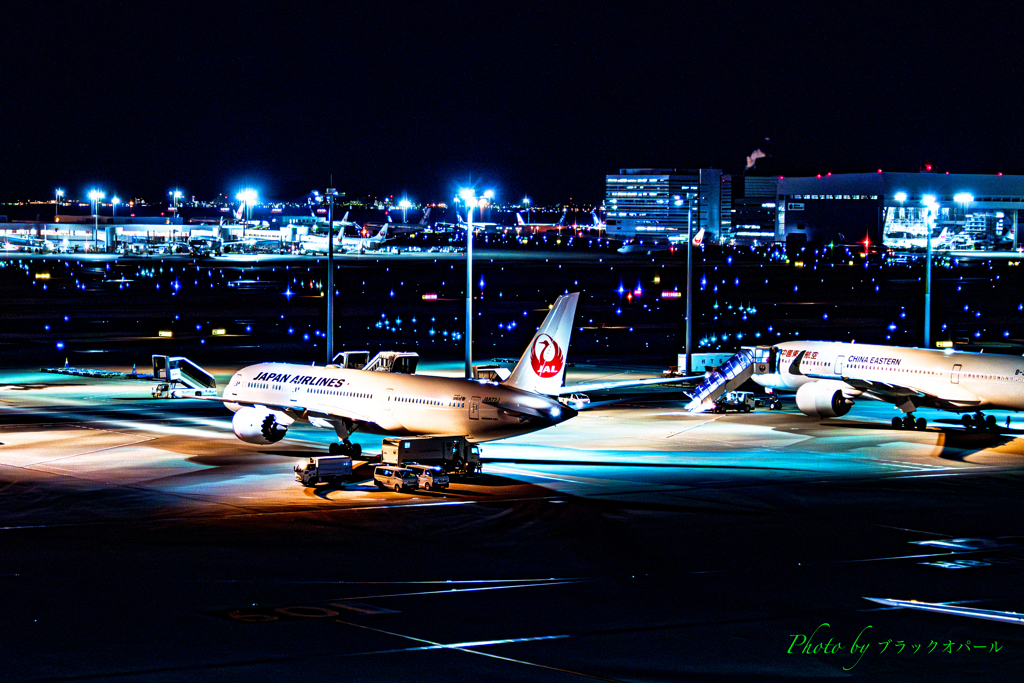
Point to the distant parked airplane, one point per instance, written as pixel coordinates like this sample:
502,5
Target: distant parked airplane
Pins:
829,376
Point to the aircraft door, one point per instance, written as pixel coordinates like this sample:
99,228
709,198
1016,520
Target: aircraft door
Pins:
474,408
389,396
840,361
954,378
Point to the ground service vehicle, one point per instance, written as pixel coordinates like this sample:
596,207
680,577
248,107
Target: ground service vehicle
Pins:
430,476
397,478
742,401
453,454
329,468
170,390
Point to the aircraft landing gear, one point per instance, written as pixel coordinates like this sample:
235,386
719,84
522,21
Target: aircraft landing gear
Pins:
909,422
353,450
346,447
979,421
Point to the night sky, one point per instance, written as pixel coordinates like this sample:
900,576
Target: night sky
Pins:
538,99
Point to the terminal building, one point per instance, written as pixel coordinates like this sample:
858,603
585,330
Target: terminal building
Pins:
958,211
652,206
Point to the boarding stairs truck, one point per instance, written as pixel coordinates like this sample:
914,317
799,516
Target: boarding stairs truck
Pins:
730,376
452,453
181,378
329,468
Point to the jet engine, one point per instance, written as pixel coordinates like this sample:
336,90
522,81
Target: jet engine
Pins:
259,425
823,398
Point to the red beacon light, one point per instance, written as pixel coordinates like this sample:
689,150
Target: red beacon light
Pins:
819,176
829,174
1000,174
880,170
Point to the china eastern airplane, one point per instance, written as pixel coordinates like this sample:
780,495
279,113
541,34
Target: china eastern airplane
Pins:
829,376
268,398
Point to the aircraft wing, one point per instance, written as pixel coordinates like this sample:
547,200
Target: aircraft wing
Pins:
953,398
311,410
889,392
620,384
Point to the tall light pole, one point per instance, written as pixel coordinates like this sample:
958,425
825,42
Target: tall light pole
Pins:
526,200
931,207
95,196
114,201
469,197
331,192
405,204
900,197
963,199
689,280
59,194
248,197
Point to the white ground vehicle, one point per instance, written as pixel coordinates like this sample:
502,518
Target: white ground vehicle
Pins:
396,478
430,476
741,401
328,468
575,401
165,390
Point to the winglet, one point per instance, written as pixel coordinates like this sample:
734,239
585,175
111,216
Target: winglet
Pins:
541,369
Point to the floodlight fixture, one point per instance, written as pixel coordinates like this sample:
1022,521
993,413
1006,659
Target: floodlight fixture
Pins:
247,195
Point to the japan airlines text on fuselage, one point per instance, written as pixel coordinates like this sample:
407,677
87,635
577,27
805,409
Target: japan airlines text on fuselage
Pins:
827,376
394,403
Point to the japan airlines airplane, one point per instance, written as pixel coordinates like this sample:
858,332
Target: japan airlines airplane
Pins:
269,397
829,376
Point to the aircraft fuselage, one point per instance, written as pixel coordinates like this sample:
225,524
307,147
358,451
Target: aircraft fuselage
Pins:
395,403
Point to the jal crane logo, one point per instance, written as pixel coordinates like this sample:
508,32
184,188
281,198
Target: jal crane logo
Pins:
546,357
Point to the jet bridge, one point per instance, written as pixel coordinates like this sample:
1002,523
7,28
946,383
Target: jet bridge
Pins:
733,373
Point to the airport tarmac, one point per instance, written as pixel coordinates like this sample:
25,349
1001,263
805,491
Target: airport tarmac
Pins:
142,541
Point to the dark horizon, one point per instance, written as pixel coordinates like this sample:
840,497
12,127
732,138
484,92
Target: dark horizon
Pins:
528,100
